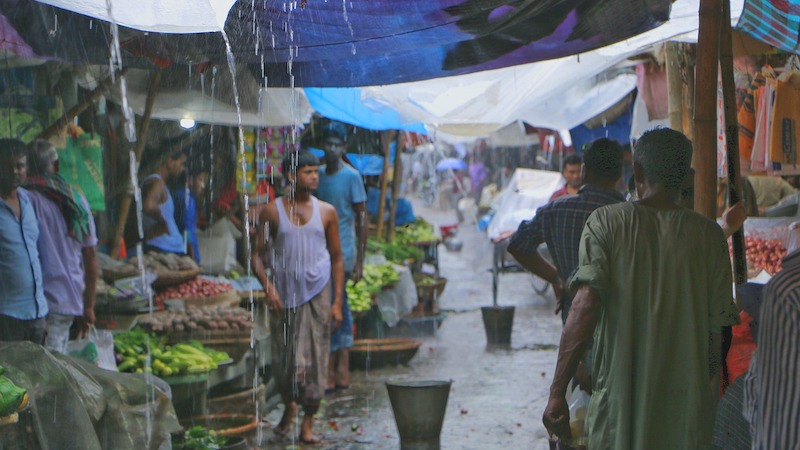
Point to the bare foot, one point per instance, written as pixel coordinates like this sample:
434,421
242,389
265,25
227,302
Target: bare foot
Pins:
285,425
307,431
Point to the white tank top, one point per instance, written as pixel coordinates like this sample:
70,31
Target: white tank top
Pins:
301,263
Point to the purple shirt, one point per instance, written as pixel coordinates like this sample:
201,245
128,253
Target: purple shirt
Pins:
61,257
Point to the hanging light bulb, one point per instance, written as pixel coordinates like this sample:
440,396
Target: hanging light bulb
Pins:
187,123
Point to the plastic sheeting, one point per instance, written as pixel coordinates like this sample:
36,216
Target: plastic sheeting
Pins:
527,190
77,405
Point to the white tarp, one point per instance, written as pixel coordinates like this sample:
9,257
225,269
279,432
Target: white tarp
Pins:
527,190
181,96
159,16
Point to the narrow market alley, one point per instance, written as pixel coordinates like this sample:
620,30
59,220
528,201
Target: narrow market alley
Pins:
497,396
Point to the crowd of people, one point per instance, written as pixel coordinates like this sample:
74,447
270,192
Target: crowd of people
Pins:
645,292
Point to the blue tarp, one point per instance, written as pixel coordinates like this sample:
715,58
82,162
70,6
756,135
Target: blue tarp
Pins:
366,164
344,104
349,44
618,130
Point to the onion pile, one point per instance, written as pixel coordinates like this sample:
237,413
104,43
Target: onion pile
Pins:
199,287
764,254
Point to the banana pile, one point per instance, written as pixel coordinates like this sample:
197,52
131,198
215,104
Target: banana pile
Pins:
163,360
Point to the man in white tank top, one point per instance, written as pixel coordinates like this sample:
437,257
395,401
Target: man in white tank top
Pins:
302,236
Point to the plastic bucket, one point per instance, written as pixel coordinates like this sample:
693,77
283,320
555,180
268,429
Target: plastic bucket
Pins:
498,322
448,230
419,408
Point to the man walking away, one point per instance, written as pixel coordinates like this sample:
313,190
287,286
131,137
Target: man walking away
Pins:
67,241
559,223
302,236
22,303
654,288
342,186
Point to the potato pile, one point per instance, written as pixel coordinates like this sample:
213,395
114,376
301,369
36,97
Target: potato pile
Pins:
158,263
199,319
199,287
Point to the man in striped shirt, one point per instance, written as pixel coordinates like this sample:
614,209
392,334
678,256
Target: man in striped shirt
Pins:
772,385
560,222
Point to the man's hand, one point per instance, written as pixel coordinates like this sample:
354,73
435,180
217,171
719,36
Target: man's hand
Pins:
85,322
274,302
336,316
556,417
733,218
558,291
358,272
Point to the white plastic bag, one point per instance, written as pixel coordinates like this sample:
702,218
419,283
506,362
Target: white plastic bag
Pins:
218,247
578,410
97,348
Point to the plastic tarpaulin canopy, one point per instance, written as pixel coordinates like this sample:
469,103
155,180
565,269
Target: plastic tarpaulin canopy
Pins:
74,404
344,104
527,190
332,44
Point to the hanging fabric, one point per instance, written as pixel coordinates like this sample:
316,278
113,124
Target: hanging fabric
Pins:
785,129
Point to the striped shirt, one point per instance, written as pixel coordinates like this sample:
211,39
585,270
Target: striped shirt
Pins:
772,384
560,224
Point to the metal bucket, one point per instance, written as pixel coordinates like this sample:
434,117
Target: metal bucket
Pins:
498,322
419,408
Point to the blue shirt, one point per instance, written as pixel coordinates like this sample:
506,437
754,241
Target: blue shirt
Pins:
172,241
186,217
342,190
560,224
21,293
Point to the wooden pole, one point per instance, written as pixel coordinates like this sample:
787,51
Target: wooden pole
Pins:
386,140
674,85
396,180
688,65
705,109
731,137
125,203
73,112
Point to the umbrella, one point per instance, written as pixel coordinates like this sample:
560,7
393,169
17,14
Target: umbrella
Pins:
451,164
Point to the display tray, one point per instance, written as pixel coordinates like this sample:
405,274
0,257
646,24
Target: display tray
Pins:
373,353
230,298
167,279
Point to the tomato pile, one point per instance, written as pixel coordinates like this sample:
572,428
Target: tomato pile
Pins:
199,287
764,254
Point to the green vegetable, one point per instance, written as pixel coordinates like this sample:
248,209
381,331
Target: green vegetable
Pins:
199,438
375,278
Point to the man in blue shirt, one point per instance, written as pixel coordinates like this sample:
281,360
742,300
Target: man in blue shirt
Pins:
22,303
342,186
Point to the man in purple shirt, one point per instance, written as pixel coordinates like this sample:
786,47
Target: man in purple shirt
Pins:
22,303
67,241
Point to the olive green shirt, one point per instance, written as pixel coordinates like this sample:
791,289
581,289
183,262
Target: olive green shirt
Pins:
664,282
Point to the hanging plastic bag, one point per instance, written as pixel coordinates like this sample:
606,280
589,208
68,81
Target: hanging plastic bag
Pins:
578,409
97,348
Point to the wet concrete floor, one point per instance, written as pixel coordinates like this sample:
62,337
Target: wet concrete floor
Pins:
497,396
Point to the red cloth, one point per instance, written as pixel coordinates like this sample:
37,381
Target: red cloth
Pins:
742,348
559,193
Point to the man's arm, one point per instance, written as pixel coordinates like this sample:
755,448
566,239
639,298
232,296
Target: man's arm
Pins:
361,239
265,231
578,331
537,265
90,273
334,245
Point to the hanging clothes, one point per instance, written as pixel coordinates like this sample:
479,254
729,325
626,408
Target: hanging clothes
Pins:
785,129
747,116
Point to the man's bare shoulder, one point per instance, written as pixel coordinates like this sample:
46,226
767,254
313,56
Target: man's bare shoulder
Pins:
327,210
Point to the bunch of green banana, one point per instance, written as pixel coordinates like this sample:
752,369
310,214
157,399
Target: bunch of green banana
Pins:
358,296
163,360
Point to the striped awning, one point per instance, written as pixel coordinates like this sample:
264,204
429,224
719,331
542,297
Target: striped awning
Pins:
776,22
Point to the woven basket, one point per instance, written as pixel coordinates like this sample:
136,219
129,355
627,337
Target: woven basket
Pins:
167,279
230,298
372,353
429,293
110,275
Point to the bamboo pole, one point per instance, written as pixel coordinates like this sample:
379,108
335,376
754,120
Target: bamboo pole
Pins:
125,204
386,140
731,137
73,112
674,85
396,179
705,109
688,64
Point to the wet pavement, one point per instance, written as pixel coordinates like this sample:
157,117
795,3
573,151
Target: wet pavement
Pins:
497,396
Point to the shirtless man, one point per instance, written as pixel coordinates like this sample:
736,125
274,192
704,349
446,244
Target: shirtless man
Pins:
301,234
